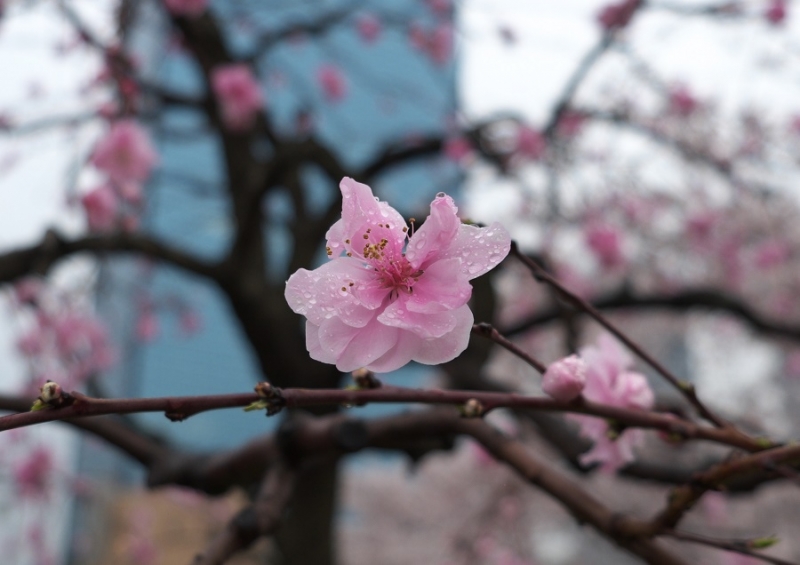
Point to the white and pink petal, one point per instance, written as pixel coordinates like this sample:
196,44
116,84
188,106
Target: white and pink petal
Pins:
480,249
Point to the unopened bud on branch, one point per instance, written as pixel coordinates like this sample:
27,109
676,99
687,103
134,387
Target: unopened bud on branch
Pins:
472,408
565,379
365,379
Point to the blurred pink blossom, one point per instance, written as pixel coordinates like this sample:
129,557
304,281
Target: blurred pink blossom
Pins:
530,143
190,322
440,44
332,82
682,102
565,379
369,27
776,12
381,306
190,8
571,123
32,475
609,381
440,7
613,16
147,325
772,253
417,36
458,149
125,153
239,95
101,206
606,243
27,290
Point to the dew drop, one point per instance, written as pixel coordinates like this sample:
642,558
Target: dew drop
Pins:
440,195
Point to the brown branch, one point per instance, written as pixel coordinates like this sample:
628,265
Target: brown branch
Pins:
178,408
259,519
38,259
680,301
684,497
583,506
141,447
738,546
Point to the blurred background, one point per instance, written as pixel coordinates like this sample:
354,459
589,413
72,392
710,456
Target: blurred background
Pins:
646,152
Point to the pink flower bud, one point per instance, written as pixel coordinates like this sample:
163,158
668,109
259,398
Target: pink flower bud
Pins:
369,27
565,379
332,82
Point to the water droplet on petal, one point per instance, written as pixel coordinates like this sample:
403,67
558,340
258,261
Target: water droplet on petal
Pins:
440,195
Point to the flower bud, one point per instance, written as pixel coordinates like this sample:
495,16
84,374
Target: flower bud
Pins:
472,408
50,392
565,379
365,379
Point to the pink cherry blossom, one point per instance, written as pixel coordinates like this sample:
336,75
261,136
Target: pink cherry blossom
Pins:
27,290
190,322
772,253
369,27
571,123
440,44
125,153
613,16
189,8
682,102
417,36
239,95
147,325
530,143
609,381
458,149
32,474
440,7
776,12
565,379
101,206
332,82
606,243
392,299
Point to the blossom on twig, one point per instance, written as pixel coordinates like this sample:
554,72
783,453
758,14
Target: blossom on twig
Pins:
610,381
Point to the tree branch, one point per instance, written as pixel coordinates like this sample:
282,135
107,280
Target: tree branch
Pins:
38,259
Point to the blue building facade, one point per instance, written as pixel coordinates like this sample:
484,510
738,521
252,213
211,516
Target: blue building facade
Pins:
396,91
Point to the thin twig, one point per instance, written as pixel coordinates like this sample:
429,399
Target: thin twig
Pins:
490,332
738,546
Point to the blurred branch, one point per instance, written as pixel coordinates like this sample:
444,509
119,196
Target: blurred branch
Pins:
141,447
684,497
259,519
744,547
292,30
582,505
680,301
39,258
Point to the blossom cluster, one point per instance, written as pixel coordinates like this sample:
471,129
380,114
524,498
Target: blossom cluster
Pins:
63,342
126,158
602,374
238,94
